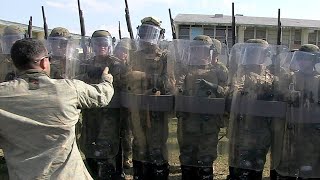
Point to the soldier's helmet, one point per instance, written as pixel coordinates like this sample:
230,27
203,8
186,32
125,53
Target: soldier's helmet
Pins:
58,41
305,58
200,51
150,30
101,43
11,34
122,49
256,51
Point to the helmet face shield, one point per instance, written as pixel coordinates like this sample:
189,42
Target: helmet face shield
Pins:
8,41
254,54
303,61
57,46
102,46
199,55
149,33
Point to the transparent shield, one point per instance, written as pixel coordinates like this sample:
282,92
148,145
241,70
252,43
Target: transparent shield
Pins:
148,33
7,41
304,61
148,96
101,46
298,156
257,104
199,106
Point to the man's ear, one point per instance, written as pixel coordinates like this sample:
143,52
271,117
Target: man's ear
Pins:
44,64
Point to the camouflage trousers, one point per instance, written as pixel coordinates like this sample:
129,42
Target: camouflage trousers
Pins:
198,138
250,140
100,137
150,134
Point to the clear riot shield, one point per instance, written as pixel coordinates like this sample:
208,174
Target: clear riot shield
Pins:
100,138
7,68
299,154
257,103
148,96
64,57
199,106
224,55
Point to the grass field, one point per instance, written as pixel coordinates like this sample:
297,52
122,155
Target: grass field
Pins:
220,165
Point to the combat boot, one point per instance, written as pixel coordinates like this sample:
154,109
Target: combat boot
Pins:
188,172
205,173
159,172
243,174
138,170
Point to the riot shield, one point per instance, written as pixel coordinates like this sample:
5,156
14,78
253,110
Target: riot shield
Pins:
224,55
100,137
299,154
199,105
148,96
257,104
64,57
7,69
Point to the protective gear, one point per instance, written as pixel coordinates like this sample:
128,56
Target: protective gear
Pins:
257,104
101,43
149,31
10,35
198,126
297,156
148,97
60,32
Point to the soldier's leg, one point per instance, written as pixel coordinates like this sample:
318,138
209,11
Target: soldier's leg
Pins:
139,147
251,143
107,144
188,137
126,140
210,128
157,135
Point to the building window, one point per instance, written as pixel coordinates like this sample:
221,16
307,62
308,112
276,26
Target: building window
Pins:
297,37
318,32
312,38
286,37
184,32
248,33
196,30
209,31
261,33
221,33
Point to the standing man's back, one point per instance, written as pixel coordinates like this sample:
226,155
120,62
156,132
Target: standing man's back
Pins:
38,116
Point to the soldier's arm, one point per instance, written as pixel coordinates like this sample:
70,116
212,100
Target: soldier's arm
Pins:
96,95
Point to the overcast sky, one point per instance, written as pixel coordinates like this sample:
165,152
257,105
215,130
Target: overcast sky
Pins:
105,14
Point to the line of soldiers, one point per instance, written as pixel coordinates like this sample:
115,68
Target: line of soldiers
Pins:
268,99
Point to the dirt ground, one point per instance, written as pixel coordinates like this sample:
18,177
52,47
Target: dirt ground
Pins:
220,165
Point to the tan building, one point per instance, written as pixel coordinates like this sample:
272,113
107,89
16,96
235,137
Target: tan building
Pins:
295,32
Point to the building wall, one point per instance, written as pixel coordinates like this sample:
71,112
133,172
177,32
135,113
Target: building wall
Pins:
291,37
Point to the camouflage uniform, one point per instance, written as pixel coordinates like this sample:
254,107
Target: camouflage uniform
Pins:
299,153
101,127
149,127
198,132
122,51
250,135
10,35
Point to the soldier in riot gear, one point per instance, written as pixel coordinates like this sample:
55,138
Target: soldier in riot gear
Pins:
198,129
10,35
57,46
298,156
149,81
122,51
257,101
101,126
